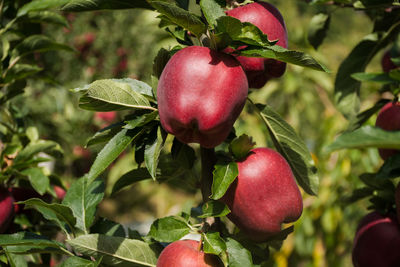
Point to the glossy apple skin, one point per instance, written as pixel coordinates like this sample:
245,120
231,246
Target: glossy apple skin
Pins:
184,253
264,195
6,209
270,21
389,119
386,62
200,94
377,242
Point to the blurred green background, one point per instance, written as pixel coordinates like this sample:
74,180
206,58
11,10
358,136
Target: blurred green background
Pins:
123,44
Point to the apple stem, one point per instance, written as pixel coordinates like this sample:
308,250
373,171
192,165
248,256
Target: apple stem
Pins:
208,160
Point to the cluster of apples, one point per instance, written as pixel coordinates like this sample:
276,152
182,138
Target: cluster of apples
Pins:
200,94
377,240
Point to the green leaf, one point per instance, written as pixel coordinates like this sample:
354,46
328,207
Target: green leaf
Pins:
362,117
15,260
183,154
77,262
153,149
113,94
39,181
390,168
376,183
285,55
364,137
141,120
245,32
293,149
131,177
212,11
238,256
21,71
27,239
92,5
60,214
214,208
83,199
181,17
241,146
383,78
49,147
38,5
347,89
213,243
46,17
107,227
116,251
111,151
104,135
169,229
223,175
317,29
37,43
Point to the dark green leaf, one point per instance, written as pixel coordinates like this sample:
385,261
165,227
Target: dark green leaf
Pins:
107,227
46,17
32,149
214,208
169,229
92,5
213,243
347,89
365,137
83,197
223,175
60,214
183,4
211,10
285,55
383,78
181,17
238,256
112,94
21,71
293,149
27,239
376,183
131,177
39,181
37,43
183,153
361,118
115,251
38,5
153,149
390,168
111,151
104,135
141,120
317,29
358,194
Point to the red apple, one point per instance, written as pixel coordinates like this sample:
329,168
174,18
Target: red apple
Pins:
264,195
6,209
60,192
386,63
389,120
185,253
200,94
270,21
377,242
397,201
108,116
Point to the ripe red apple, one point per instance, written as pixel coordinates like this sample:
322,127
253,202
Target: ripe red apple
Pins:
389,119
377,242
108,116
60,192
201,92
386,63
185,253
264,195
6,209
270,21
397,201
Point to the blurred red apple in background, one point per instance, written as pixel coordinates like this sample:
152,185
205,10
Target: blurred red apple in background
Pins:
386,62
6,209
